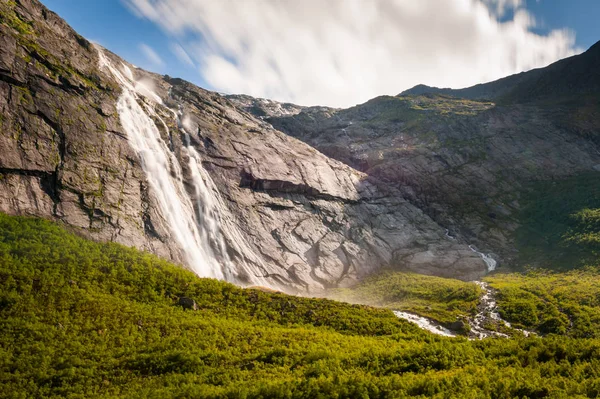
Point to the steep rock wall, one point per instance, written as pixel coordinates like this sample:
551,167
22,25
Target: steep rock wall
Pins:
289,216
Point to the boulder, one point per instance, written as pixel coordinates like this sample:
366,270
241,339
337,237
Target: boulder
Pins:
187,303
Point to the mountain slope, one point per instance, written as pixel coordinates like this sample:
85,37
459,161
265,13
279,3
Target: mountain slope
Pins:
473,164
124,155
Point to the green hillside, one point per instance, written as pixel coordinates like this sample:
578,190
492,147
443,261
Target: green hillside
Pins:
437,298
551,302
85,320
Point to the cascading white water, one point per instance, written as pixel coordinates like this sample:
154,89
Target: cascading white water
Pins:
163,172
200,223
214,215
489,261
165,179
425,324
489,310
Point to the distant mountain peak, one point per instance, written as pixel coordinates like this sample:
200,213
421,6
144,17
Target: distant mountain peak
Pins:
570,77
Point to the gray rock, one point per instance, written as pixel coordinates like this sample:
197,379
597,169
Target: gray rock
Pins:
187,303
459,326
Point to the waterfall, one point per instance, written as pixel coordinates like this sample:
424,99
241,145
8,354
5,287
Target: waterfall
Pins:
195,223
215,216
489,261
165,179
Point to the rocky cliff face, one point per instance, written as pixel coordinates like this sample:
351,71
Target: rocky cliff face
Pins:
125,155
64,154
463,159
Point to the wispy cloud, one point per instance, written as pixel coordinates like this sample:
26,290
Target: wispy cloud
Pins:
151,55
342,52
181,54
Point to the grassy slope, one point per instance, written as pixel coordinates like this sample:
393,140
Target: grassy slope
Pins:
560,237
81,319
438,298
551,302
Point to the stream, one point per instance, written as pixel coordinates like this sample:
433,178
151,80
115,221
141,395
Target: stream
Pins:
487,312
489,261
425,324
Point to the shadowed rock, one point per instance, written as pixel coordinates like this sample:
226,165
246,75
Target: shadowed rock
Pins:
187,303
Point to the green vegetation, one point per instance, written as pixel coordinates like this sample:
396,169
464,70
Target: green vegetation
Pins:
87,320
441,299
25,96
550,302
560,223
411,111
12,19
586,230
446,105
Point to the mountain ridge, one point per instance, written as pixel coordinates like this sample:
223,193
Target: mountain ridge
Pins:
427,183
573,73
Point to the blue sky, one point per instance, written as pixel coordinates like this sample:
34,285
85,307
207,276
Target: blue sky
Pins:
217,66
114,26
581,16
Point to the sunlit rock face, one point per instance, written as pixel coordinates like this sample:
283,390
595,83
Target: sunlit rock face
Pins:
124,155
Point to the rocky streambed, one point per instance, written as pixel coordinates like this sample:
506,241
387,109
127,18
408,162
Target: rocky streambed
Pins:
481,325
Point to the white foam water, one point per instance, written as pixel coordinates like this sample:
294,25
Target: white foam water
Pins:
165,178
194,221
489,309
425,324
214,214
489,261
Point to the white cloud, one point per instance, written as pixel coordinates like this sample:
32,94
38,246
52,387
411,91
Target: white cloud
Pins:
151,55
342,52
181,54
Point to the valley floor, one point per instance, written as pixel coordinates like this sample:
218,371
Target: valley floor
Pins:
82,319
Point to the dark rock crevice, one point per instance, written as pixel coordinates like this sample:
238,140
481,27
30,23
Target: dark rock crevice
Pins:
149,228
283,187
55,183
6,76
